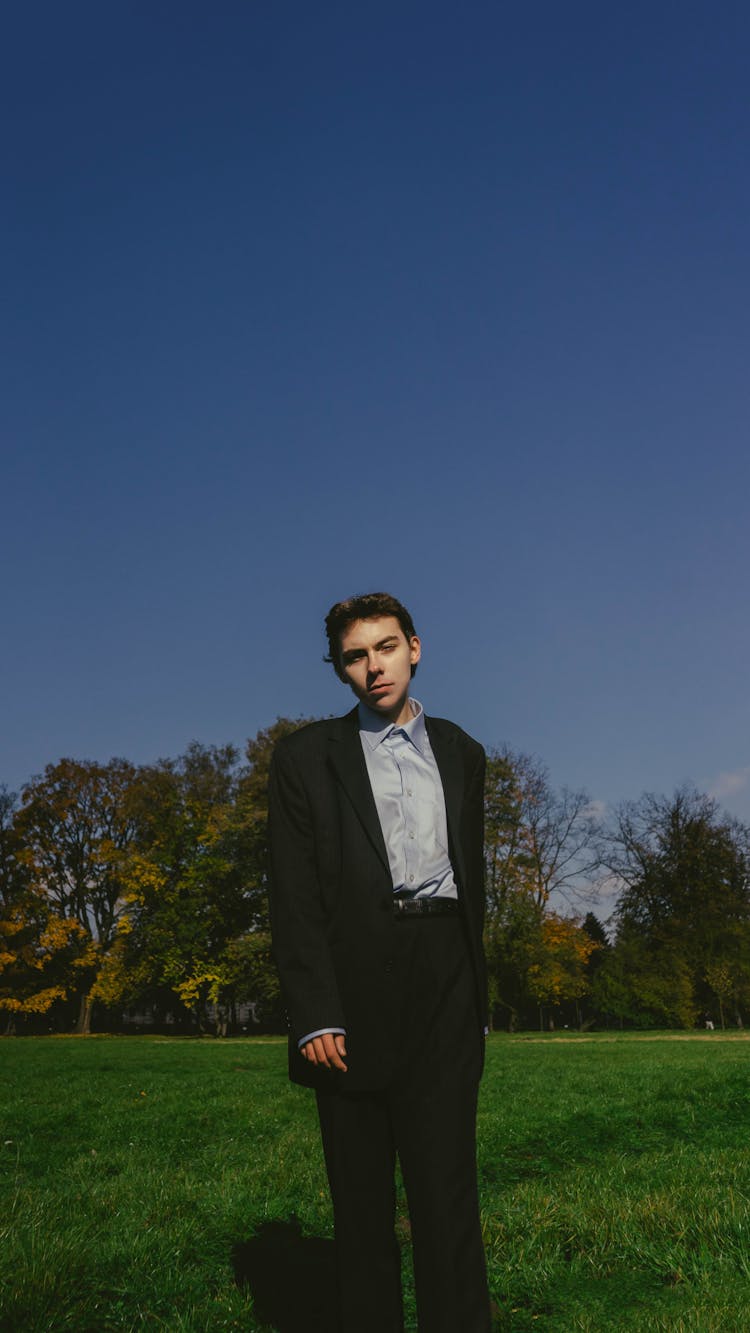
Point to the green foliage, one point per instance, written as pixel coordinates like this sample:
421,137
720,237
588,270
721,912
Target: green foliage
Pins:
683,934
186,887
197,922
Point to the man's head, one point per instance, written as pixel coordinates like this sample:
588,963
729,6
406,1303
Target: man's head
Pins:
374,649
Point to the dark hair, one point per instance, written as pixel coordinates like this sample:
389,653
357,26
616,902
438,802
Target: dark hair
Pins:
368,606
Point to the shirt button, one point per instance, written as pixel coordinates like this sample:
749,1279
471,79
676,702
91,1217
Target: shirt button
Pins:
411,835
411,879
409,792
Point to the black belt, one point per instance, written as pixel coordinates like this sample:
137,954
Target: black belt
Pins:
425,907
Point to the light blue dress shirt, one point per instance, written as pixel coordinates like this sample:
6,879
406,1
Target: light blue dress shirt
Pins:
409,798
408,793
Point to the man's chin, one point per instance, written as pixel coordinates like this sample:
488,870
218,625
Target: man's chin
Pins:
388,704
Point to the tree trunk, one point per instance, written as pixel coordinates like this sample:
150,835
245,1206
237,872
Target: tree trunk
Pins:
83,1026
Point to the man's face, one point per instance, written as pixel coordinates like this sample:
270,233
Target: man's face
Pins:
376,660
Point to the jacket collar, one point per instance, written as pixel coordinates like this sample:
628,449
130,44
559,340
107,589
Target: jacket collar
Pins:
348,762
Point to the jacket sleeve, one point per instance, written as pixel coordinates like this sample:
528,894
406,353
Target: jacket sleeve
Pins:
474,853
298,923
475,801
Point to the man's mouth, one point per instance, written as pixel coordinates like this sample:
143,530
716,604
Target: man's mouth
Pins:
378,689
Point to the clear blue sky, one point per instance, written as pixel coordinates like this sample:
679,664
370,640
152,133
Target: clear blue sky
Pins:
452,300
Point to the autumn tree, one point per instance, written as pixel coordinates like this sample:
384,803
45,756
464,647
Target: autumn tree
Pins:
541,848
196,929
75,828
558,970
185,883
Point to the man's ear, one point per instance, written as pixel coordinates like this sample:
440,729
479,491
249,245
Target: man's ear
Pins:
415,650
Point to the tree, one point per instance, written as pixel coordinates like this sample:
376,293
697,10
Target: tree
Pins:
685,875
558,969
196,929
13,880
75,828
184,882
38,950
562,835
538,843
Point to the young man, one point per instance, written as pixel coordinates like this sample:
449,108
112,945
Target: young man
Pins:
376,829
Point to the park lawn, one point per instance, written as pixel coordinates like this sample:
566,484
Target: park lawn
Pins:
153,1182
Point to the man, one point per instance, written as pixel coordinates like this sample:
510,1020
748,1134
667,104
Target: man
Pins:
376,830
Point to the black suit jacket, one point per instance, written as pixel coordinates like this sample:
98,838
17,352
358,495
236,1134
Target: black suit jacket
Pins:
331,892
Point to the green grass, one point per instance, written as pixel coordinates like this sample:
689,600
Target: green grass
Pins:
615,1180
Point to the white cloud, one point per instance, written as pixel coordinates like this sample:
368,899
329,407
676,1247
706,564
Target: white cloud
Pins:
596,809
726,784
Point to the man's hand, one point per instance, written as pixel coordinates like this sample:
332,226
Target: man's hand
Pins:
327,1050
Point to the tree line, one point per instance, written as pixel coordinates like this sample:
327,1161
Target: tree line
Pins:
143,887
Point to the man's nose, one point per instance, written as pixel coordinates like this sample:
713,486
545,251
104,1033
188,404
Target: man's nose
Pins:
374,665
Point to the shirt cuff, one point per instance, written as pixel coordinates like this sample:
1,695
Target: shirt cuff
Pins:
339,1032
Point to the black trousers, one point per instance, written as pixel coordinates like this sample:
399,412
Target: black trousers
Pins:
427,1115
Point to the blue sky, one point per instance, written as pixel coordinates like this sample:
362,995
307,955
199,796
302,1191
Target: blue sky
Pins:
302,301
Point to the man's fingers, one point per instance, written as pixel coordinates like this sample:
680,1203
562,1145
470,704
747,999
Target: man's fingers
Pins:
333,1053
326,1050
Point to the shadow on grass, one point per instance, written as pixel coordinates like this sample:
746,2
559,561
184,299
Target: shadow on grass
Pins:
292,1278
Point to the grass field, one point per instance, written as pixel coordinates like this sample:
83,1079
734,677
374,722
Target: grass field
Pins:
152,1183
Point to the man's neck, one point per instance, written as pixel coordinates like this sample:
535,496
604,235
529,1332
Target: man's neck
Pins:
406,712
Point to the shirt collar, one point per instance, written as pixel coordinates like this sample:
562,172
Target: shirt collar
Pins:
373,729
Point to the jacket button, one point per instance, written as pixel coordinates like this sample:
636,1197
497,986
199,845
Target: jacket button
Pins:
389,966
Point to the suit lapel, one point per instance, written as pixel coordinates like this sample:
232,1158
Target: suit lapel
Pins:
448,759
348,762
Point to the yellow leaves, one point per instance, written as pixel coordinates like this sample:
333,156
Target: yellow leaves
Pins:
33,1004
203,985
113,979
142,876
11,926
38,940
58,932
558,971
